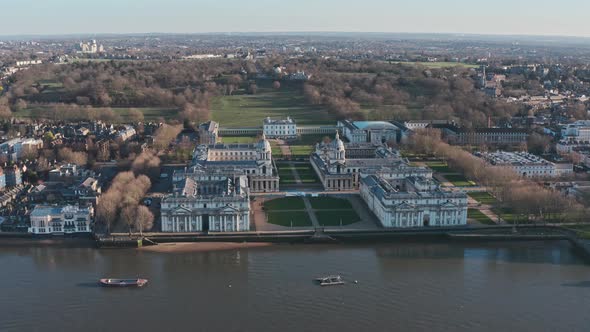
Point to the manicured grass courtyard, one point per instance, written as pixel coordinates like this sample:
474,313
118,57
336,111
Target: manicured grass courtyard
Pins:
238,139
439,166
329,203
301,151
483,197
243,110
336,218
479,217
285,203
510,216
276,149
459,180
305,171
288,219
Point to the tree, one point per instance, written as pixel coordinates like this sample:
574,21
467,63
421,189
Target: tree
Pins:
69,156
276,85
128,216
147,163
165,135
144,219
538,144
106,209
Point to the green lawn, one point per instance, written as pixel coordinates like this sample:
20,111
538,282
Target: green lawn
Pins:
242,110
285,203
305,171
294,218
334,218
483,197
307,174
238,139
276,149
510,216
330,203
439,166
301,150
459,180
479,217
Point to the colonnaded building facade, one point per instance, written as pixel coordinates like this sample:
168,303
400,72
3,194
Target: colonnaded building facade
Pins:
207,200
399,198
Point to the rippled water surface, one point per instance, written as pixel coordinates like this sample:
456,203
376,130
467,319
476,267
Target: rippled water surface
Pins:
524,286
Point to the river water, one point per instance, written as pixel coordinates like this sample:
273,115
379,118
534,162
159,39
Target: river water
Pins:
509,286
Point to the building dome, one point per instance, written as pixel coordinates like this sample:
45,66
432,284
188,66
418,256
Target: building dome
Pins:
264,144
338,144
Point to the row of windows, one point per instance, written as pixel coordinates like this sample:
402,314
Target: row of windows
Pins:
234,153
59,229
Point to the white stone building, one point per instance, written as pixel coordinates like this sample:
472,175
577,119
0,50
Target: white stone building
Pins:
207,201
414,201
60,220
283,128
524,164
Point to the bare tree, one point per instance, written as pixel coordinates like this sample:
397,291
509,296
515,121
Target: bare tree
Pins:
144,218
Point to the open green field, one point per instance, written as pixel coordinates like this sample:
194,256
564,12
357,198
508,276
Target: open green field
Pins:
242,110
336,218
329,203
479,217
285,203
288,219
238,139
459,180
149,113
483,197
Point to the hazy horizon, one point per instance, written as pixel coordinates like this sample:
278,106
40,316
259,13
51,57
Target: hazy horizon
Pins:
505,18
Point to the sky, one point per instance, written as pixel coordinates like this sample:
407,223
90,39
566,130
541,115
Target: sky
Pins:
505,17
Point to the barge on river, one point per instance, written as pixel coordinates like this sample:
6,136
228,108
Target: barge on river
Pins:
108,282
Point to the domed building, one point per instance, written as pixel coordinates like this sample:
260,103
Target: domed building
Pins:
338,172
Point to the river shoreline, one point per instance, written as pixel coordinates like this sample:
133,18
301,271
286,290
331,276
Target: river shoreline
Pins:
186,247
196,242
